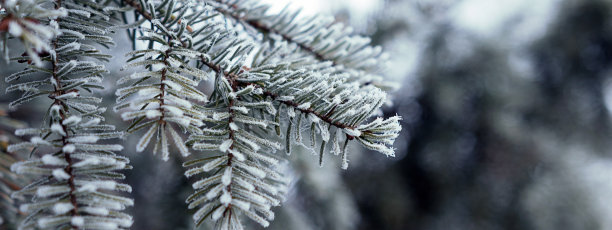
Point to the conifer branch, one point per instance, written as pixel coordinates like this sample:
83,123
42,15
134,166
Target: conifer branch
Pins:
75,181
314,72
320,38
59,92
9,182
266,29
171,102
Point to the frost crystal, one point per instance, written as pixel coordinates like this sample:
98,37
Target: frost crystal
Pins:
60,174
68,148
52,160
61,208
77,221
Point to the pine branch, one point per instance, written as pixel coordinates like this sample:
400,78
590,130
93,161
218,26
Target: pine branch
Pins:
257,25
172,101
311,73
318,37
26,20
9,182
332,113
239,163
59,92
244,174
76,175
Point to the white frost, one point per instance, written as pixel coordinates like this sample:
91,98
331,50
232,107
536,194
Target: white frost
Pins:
61,208
233,126
39,141
173,110
304,106
225,145
93,186
84,139
69,148
152,114
218,212
352,132
52,160
91,122
57,128
227,176
77,221
72,120
225,199
60,174
15,29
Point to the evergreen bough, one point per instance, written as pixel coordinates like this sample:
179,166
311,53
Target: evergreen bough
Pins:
279,79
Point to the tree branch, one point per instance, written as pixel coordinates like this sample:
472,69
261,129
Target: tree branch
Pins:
59,91
232,78
265,29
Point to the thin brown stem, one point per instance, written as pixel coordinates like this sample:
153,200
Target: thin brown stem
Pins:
162,89
324,117
59,91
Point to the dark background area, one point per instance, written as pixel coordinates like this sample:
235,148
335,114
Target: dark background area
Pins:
488,144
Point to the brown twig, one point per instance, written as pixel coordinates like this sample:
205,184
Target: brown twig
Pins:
59,91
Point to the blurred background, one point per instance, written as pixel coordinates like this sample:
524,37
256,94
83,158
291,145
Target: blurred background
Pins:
507,109
507,120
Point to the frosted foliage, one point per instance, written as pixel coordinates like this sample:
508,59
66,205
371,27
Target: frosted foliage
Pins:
64,66
308,81
36,37
321,43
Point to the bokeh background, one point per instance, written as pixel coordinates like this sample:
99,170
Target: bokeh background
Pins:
507,109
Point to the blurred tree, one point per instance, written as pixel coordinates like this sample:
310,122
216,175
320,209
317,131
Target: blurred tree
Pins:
491,145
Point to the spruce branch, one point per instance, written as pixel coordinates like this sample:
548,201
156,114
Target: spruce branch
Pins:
27,21
9,181
59,91
244,179
77,181
259,26
245,182
168,99
318,37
